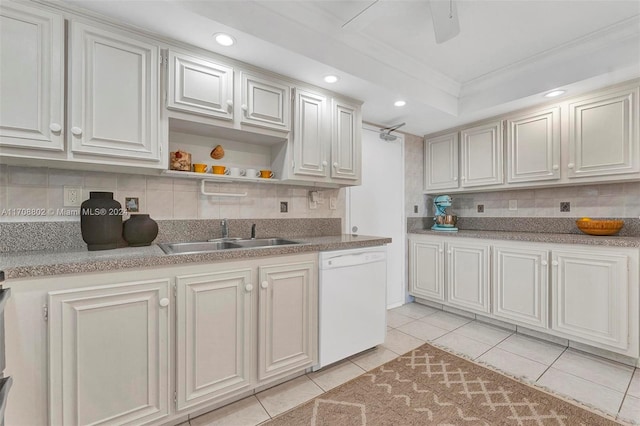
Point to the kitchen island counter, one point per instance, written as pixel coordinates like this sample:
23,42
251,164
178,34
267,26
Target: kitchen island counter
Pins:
538,237
45,263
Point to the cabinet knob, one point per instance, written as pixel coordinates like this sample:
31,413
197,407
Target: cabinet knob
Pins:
440,251
229,103
556,167
544,263
244,107
449,251
164,302
248,288
554,263
76,131
55,127
463,178
455,178
335,165
324,163
571,165
264,284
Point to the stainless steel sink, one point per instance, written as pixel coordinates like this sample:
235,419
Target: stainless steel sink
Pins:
222,244
263,242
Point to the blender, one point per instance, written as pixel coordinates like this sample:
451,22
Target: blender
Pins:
444,221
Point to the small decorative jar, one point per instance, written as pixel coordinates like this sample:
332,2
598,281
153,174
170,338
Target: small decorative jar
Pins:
101,221
140,230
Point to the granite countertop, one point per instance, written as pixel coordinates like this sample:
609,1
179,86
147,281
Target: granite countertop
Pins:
44,263
592,240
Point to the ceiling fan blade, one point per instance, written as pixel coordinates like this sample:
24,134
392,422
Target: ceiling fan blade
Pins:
445,19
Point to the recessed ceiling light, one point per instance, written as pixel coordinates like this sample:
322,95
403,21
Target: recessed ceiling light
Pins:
330,78
554,93
224,39
400,103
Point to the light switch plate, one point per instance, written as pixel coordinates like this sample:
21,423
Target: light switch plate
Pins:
333,201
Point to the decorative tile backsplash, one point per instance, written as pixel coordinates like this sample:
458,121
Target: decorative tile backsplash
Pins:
41,192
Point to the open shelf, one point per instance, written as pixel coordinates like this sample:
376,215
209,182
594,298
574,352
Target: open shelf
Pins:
215,178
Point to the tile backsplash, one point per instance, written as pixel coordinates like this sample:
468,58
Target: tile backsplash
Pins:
603,200
42,191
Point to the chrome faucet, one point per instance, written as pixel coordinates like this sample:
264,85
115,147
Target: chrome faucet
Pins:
225,228
253,231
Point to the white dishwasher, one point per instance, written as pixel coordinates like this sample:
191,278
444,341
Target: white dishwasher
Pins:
352,302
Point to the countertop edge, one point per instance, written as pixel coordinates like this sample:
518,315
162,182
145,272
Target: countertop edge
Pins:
536,237
155,259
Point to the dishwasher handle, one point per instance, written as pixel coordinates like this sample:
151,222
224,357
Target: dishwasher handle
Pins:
353,259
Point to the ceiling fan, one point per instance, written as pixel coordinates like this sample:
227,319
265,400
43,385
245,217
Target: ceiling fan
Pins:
443,14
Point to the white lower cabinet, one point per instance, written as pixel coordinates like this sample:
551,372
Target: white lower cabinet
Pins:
426,269
519,284
213,335
177,340
287,313
468,275
587,294
591,298
109,354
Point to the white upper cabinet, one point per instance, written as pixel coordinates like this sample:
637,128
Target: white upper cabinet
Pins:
200,86
114,103
603,134
441,162
266,102
592,298
533,146
32,83
109,354
481,148
310,134
346,126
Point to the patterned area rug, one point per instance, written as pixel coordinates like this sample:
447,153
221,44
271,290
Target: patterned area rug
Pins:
429,386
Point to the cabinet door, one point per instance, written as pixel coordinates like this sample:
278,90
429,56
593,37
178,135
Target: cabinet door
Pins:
266,102
603,135
426,269
32,86
441,162
520,281
287,319
213,335
533,146
468,276
114,94
345,140
200,86
310,141
108,354
482,155
591,298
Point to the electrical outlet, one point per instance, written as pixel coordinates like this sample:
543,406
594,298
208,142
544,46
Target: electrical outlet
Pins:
513,204
480,208
72,196
333,202
284,207
415,209
565,206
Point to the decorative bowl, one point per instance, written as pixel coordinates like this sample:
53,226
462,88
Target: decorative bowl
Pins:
599,227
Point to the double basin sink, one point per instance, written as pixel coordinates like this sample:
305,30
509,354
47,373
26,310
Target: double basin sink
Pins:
222,244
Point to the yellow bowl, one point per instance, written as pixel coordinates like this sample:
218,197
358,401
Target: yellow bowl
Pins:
600,227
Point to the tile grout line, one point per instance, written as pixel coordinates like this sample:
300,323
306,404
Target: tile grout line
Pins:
554,361
493,347
624,397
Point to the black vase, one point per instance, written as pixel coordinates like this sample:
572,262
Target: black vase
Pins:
140,230
101,221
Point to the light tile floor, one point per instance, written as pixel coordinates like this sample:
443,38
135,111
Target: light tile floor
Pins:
608,385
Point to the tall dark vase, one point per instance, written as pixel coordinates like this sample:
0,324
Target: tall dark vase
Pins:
140,230
101,221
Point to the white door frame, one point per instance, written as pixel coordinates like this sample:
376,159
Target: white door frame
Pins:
402,244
